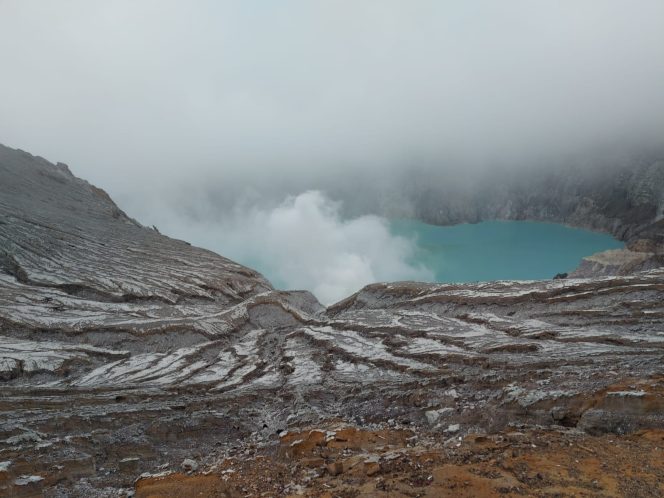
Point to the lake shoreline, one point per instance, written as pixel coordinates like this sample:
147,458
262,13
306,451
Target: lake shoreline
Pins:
501,249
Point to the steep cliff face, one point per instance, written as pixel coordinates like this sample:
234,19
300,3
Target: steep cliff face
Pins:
123,351
623,199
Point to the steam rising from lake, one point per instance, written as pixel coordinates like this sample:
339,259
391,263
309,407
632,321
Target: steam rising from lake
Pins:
303,243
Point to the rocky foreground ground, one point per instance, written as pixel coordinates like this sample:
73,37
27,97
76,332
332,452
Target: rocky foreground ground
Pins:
343,461
125,353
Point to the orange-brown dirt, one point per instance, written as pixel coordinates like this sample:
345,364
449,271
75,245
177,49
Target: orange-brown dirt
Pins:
349,463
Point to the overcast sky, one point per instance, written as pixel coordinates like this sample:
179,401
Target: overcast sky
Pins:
131,91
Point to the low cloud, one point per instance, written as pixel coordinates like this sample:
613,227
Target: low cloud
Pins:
303,243
163,92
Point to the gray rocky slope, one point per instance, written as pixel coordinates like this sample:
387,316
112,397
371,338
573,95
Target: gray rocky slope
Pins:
124,351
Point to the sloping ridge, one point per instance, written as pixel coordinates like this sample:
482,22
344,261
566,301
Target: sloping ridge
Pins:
61,232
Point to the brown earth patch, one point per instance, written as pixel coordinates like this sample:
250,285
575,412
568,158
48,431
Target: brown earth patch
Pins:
180,485
351,463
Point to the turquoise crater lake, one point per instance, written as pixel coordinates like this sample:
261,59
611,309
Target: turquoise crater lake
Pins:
500,250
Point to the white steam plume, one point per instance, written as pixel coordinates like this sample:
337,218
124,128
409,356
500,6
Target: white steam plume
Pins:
305,244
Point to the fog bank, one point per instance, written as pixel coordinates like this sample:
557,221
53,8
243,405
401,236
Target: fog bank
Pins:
148,94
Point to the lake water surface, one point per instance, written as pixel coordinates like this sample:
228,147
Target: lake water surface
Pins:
497,250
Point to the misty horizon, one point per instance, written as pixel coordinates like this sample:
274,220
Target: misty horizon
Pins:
219,120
